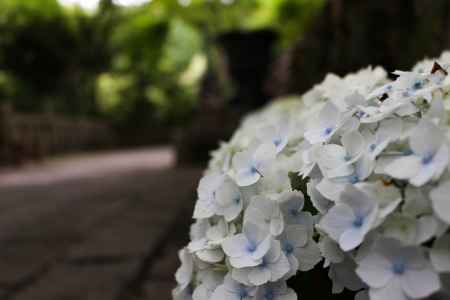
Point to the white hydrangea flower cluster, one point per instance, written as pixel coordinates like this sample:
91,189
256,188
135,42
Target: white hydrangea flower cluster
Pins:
371,157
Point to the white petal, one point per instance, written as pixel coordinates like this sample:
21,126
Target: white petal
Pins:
264,155
222,293
332,161
209,183
441,160
414,204
293,262
217,232
337,286
344,274
231,212
297,235
330,189
440,201
440,254
351,238
266,213
329,115
280,268
404,167
197,245
338,219
359,201
308,256
332,155
437,112
321,203
274,252
426,229
420,283
259,276
262,248
203,209
426,138
243,164
254,233
315,136
350,123
211,256
392,291
241,275
330,250
242,159
390,129
245,177
374,270
229,200
184,273
235,246
353,143
244,261
277,226
401,228
388,209
208,281
364,166
424,175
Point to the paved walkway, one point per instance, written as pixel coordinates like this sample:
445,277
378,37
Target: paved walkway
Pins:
101,227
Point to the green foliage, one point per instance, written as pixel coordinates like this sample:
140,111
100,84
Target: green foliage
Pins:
53,54
294,17
288,17
155,51
111,90
8,86
135,66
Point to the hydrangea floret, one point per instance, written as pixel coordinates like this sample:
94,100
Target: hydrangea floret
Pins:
352,177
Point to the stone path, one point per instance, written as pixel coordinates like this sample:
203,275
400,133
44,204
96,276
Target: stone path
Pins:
97,227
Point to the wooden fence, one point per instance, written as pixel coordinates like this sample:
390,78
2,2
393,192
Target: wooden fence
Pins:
26,137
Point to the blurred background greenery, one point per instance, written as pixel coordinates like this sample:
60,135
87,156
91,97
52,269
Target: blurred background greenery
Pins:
135,66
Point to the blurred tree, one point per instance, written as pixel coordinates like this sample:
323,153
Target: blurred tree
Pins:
133,65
